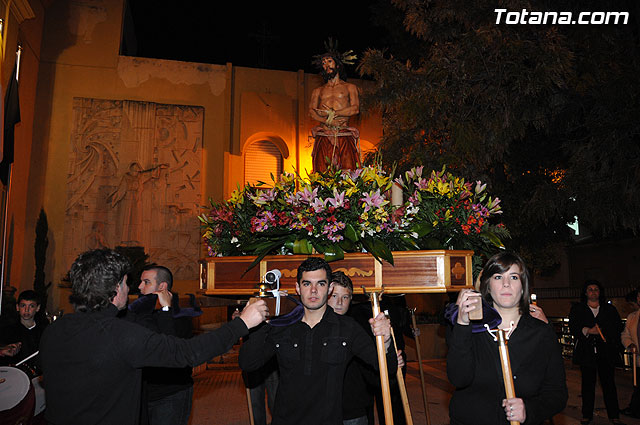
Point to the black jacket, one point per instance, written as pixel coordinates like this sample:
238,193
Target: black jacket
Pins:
161,382
92,364
312,364
473,367
30,340
588,347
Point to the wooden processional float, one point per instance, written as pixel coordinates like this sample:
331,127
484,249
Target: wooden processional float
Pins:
419,272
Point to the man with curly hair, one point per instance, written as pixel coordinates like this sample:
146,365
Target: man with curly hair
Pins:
92,360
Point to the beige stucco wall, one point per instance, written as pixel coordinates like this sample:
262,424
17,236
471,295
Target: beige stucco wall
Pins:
22,25
80,58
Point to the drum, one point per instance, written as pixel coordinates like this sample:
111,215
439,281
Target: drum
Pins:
17,396
40,402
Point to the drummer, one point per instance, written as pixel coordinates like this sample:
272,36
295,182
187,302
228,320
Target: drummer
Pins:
27,331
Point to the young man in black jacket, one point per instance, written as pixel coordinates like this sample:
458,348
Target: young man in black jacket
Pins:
92,360
360,380
313,353
166,391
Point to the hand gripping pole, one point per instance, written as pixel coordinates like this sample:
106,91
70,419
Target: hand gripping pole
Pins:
382,361
502,337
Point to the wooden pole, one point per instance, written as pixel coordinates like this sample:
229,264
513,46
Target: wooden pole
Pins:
382,364
506,368
402,386
424,387
250,406
635,364
600,333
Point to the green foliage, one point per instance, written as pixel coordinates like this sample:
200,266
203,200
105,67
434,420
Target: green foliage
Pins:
546,114
40,253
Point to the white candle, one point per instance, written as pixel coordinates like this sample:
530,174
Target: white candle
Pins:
396,195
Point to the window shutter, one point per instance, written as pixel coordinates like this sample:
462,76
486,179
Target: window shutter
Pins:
261,159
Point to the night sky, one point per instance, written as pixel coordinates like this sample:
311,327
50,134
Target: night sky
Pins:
281,35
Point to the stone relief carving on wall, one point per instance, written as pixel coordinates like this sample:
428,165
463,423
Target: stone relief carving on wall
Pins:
134,180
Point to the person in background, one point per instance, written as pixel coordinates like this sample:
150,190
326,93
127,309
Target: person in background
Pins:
26,332
596,327
632,299
360,380
630,339
92,360
167,392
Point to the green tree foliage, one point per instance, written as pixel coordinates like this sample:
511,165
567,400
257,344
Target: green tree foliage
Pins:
40,254
547,114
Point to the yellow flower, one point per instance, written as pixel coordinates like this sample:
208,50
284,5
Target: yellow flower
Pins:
287,178
380,214
443,188
237,197
369,174
350,185
315,177
382,180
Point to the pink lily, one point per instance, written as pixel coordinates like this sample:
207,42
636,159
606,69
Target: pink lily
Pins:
373,200
338,199
308,196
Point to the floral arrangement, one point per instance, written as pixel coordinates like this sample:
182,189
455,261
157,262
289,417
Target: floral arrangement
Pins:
451,213
340,211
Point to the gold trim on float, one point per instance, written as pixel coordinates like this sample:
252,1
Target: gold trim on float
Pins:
354,271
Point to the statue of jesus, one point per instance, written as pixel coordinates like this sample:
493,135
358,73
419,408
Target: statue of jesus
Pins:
336,144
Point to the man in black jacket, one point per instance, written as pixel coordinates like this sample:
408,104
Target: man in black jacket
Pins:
92,360
313,352
167,392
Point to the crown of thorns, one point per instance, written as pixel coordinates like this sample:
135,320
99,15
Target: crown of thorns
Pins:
347,58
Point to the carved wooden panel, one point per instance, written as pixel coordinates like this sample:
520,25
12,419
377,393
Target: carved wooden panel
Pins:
414,272
134,180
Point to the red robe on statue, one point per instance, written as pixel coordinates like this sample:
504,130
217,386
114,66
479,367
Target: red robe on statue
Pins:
339,148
